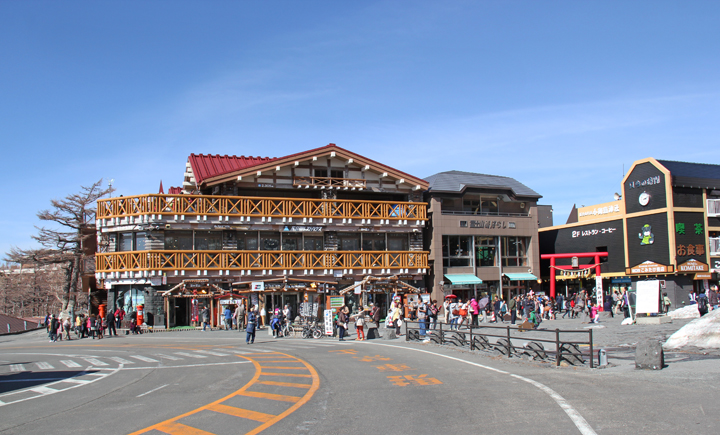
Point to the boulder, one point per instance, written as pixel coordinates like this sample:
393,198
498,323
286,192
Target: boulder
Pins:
372,333
389,335
649,355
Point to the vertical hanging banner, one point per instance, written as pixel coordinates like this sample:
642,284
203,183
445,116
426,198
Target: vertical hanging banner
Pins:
328,322
599,292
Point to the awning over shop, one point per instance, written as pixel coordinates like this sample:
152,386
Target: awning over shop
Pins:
520,276
463,279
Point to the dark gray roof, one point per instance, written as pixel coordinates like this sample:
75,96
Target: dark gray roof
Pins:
693,174
457,181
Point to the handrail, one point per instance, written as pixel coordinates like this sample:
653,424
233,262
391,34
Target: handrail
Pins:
484,213
258,260
214,205
505,340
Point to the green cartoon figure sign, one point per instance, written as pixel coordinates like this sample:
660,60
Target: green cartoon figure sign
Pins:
646,236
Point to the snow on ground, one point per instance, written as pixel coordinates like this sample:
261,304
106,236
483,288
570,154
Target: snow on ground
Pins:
689,312
703,333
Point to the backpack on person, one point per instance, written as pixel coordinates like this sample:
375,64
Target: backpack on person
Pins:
702,303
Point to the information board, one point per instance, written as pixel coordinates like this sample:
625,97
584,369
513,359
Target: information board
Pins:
337,301
328,322
648,297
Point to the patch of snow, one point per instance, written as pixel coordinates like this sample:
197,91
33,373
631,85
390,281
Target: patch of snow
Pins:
688,312
703,333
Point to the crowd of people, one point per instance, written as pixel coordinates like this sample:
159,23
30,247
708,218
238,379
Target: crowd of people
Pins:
63,327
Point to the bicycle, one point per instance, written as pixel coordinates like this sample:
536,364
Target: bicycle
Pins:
312,330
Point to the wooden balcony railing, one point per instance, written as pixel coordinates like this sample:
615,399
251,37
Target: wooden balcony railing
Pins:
327,182
194,205
258,260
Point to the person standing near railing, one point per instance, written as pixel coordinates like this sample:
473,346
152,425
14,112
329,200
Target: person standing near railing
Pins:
432,314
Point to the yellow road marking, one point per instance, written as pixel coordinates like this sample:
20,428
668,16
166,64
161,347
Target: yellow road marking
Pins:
284,368
278,397
180,429
292,375
284,384
171,426
244,413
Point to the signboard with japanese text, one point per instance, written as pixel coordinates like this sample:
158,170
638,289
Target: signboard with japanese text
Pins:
257,286
648,239
336,301
328,317
644,189
692,265
605,236
649,268
607,210
690,237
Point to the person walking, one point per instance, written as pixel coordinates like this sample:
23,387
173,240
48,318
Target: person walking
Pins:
119,316
240,316
433,314
227,314
474,311
52,328
341,323
251,326
512,306
375,314
205,316
360,324
446,310
112,329
666,303
702,303
713,298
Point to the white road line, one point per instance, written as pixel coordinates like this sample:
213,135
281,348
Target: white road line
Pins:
17,368
76,381
43,390
70,363
143,358
119,360
95,361
207,352
190,355
579,421
172,358
44,365
188,365
143,394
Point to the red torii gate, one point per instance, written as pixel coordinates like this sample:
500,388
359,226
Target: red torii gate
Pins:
553,267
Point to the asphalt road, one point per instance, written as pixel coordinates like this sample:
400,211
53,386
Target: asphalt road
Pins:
194,382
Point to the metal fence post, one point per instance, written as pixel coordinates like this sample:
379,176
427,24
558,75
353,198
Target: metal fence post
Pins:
472,345
442,335
558,350
407,338
592,364
509,345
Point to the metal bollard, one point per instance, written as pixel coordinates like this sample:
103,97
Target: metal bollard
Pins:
602,357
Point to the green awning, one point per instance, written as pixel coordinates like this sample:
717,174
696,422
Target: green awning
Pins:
463,279
520,276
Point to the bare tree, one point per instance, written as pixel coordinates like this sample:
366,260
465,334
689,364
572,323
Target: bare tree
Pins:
68,244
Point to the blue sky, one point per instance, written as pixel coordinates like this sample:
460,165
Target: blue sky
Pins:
559,95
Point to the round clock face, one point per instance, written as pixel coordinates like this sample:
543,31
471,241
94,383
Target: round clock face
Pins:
644,199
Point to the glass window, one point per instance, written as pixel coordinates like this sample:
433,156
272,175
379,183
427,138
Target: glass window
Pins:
514,251
179,240
457,251
291,241
269,241
247,240
313,243
485,251
139,241
397,242
373,242
208,240
489,205
349,241
125,242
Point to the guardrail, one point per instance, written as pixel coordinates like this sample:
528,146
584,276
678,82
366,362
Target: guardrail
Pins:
236,206
258,260
500,339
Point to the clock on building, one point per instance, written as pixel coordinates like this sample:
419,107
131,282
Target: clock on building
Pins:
644,199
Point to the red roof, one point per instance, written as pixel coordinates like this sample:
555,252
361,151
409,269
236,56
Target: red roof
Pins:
15,324
175,190
206,166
